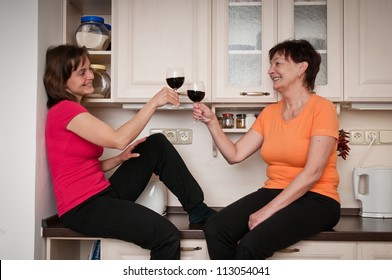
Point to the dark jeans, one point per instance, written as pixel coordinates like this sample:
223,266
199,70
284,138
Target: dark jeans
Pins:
228,235
113,213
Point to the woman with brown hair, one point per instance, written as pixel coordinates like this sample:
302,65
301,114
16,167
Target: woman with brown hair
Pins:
297,138
89,203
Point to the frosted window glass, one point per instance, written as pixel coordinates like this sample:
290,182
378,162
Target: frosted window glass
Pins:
310,23
244,70
244,27
244,38
321,78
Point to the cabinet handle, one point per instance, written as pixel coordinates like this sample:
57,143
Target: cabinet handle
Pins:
256,93
197,248
182,93
289,250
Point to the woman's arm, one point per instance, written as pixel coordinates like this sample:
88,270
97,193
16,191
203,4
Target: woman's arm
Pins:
110,163
320,150
96,131
232,152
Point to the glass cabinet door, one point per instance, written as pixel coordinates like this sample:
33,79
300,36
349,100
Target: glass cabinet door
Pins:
310,23
245,30
245,55
321,23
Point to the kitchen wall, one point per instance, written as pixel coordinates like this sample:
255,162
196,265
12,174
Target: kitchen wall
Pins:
223,183
26,193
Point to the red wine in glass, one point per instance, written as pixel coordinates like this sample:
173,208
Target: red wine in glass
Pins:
175,82
175,78
196,92
196,95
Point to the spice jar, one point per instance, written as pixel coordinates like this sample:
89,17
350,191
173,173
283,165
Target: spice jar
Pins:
92,33
101,81
240,120
220,121
228,120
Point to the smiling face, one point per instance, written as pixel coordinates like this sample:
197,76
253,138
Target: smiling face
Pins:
285,73
80,82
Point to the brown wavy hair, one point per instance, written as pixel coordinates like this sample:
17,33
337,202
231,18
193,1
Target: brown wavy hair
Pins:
61,61
300,51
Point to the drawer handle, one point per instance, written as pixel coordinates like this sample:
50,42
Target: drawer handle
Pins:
256,93
289,250
197,248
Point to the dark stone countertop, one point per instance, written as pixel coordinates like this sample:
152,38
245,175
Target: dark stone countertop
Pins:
351,227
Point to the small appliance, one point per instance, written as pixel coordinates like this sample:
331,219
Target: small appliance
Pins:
154,197
375,193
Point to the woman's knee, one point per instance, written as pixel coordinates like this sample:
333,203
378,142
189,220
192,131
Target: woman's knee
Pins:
158,138
213,226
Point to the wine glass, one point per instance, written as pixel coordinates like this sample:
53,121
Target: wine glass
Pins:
196,92
175,78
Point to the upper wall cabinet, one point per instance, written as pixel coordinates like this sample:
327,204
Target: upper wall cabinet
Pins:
367,50
245,30
321,23
151,35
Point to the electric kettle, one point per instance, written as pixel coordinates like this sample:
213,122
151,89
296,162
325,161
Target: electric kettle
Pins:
154,197
376,192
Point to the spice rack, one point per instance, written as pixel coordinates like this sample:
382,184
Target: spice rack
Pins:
73,10
235,109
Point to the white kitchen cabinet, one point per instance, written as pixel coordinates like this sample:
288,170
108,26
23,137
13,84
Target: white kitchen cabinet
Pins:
367,41
245,31
375,250
321,23
319,250
151,35
113,249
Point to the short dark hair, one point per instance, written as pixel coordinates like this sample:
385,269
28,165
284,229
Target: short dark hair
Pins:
300,51
61,61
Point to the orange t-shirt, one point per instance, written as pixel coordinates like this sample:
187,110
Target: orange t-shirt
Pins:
286,143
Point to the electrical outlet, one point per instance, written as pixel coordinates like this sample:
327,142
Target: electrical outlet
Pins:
171,135
184,136
177,136
357,137
371,136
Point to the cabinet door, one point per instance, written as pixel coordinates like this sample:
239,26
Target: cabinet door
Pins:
113,249
375,250
243,33
321,23
194,249
367,42
151,35
318,250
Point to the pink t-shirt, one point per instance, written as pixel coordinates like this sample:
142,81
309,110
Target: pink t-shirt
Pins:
73,161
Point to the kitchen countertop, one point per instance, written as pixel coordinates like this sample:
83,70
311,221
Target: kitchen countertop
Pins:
351,227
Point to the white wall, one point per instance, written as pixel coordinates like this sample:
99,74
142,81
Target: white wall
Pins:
24,197
17,116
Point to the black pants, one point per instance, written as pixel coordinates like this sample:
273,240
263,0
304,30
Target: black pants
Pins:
228,235
113,213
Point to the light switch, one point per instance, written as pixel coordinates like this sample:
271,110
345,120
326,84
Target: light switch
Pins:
385,137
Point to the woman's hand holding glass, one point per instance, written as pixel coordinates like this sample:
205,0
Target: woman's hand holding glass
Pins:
202,112
166,96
